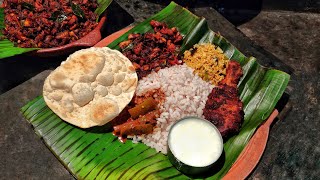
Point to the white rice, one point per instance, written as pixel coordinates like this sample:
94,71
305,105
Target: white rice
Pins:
185,95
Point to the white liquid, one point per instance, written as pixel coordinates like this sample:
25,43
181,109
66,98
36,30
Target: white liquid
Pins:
195,142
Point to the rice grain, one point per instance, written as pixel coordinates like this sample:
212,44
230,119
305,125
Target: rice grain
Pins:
185,95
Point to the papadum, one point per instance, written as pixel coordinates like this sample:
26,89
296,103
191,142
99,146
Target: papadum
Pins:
91,87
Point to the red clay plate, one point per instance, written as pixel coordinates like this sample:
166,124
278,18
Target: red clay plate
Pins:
87,41
251,154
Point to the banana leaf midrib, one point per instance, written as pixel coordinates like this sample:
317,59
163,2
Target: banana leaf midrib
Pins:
260,89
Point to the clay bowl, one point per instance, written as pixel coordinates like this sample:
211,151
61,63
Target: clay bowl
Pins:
87,41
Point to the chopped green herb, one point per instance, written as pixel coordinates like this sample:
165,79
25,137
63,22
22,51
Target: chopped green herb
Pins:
58,16
77,10
28,6
130,46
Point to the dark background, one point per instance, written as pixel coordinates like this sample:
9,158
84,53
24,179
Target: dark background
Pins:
281,33
15,70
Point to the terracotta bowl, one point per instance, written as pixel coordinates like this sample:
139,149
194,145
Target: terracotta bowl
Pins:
87,41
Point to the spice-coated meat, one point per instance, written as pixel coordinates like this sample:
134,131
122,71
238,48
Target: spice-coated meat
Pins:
223,107
48,23
140,117
153,51
143,125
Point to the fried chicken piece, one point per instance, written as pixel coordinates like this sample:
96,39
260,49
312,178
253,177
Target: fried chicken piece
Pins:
223,107
233,74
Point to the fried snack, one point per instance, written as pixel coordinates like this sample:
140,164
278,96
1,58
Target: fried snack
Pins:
91,87
223,107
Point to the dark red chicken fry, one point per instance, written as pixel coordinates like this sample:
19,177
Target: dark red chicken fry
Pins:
223,107
153,51
47,23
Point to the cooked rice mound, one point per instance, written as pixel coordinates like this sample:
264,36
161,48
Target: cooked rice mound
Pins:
208,61
185,95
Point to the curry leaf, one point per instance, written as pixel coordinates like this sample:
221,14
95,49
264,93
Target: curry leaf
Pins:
103,6
77,10
28,6
58,16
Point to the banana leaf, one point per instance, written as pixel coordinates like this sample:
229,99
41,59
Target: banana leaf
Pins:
8,49
96,154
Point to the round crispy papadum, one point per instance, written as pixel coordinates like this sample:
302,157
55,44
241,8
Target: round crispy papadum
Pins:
91,87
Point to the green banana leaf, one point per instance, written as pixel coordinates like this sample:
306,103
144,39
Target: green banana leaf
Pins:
96,154
8,49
